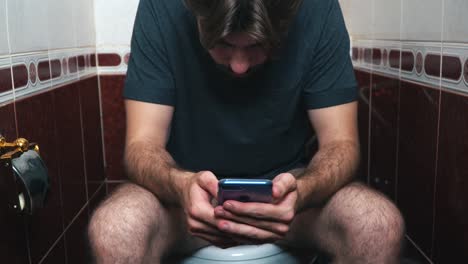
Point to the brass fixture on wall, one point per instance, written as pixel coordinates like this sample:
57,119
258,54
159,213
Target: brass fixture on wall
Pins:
24,175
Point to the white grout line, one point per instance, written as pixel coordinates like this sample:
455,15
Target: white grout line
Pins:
436,167
418,249
101,119
397,163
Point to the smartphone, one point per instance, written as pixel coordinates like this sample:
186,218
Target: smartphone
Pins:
245,190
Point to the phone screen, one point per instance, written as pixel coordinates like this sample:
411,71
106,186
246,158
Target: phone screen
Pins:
245,190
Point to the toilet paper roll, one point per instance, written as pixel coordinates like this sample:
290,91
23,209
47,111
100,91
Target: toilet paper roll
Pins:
32,173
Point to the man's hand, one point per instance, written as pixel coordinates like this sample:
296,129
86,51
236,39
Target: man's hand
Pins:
197,196
260,222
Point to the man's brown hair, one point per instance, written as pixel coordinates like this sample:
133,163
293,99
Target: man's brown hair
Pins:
266,21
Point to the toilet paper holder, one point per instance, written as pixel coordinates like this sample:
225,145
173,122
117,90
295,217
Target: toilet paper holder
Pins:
25,175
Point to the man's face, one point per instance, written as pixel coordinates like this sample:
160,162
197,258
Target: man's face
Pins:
239,54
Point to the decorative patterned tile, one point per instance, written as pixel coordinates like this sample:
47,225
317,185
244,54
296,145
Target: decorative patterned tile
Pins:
110,59
20,76
113,60
43,70
419,62
5,79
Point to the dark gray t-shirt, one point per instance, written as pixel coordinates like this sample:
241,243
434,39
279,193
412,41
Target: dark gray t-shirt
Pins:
252,127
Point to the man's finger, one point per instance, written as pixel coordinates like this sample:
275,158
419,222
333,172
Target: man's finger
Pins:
283,184
247,231
262,211
208,182
275,227
195,226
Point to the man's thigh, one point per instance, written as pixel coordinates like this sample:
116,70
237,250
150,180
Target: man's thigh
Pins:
349,214
134,211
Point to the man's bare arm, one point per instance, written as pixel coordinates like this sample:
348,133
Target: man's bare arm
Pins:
337,159
146,159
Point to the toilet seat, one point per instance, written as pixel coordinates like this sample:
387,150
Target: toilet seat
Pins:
238,253
245,254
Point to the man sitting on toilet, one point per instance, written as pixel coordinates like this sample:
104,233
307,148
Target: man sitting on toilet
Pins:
235,89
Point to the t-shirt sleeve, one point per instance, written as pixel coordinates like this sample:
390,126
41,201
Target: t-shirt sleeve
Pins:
149,77
329,78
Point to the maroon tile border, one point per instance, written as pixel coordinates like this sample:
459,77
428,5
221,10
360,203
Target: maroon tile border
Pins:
81,63
32,73
419,63
407,61
376,56
385,57
451,68
465,71
56,68
432,65
109,59
43,69
368,55
72,64
93,60
64,66
394,59
20,76
355,54
127,58
5,79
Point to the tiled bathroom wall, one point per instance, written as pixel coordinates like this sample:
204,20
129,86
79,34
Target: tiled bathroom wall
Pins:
49,94
113,48
411,60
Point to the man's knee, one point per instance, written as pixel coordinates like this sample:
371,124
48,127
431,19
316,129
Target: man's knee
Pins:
124,221
368,218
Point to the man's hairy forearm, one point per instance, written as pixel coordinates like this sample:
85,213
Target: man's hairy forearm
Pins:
333,166
155,169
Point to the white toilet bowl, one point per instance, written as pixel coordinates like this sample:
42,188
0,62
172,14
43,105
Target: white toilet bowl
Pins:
261,254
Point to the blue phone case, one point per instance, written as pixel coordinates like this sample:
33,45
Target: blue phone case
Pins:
245,190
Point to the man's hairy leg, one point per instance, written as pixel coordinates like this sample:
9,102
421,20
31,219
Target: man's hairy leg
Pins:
357,225
132,226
